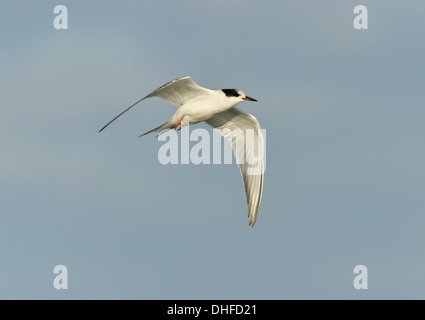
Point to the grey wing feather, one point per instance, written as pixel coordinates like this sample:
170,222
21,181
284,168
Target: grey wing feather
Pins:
177,92
250,158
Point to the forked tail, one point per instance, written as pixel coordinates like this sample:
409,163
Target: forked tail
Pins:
166,126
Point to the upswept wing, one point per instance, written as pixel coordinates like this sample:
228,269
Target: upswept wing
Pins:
177,92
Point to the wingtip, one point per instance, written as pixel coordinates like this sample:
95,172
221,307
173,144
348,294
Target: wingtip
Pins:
104,127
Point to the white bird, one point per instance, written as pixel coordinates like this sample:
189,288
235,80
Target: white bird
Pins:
216,107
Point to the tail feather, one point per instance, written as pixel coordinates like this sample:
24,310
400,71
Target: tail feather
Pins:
166,126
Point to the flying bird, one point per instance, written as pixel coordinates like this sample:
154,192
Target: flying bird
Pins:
217,108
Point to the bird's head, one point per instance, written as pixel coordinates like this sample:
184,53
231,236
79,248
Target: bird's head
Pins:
237,94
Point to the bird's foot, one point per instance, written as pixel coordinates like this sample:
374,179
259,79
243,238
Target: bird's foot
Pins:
179,123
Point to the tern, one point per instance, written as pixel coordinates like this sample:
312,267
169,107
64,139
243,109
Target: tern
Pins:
217,108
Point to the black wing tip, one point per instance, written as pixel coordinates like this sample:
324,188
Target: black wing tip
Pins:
104,127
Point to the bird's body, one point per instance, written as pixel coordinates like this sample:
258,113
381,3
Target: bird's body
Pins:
216,107
200,108
204,106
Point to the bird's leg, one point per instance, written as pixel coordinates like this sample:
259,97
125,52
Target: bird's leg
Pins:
179,123
182,126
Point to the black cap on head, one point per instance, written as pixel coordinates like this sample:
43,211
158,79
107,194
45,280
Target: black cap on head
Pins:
237,93
231,92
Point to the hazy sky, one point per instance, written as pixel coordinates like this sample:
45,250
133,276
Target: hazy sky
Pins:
344,112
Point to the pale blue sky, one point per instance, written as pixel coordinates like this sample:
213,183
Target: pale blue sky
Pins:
345,179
